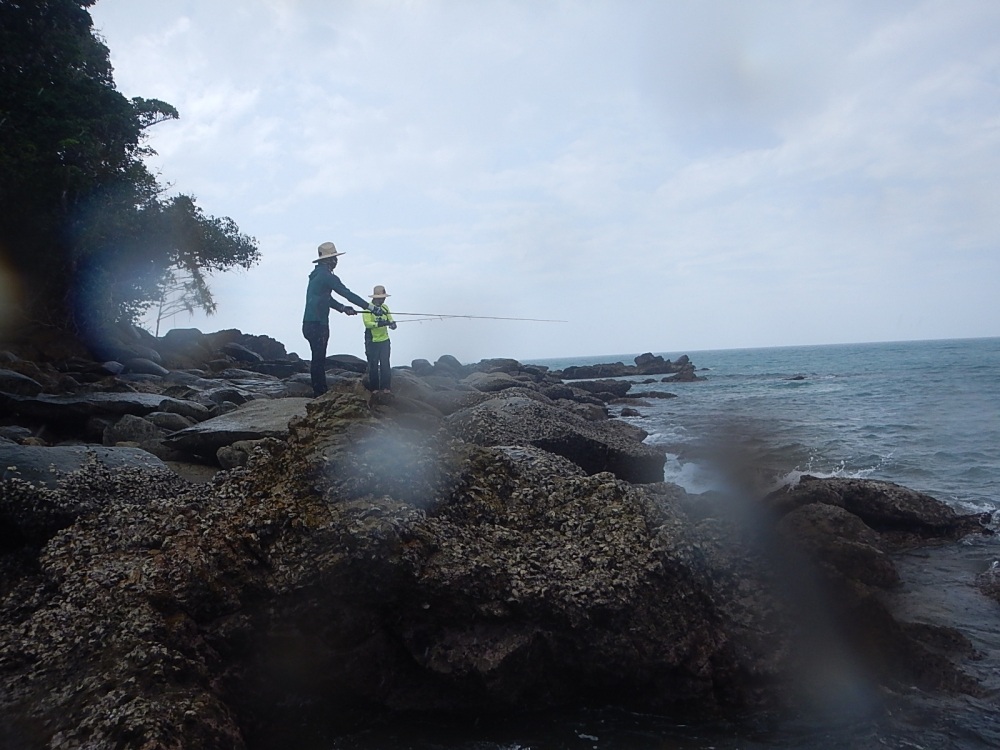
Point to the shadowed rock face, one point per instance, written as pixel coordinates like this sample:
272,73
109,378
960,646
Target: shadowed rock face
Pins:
376,561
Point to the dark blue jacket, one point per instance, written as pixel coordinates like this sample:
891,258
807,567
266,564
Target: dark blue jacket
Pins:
319,300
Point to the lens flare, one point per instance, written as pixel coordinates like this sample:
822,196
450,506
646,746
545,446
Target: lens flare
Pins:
11,298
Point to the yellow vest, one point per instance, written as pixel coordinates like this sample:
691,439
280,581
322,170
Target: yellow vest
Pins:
378,333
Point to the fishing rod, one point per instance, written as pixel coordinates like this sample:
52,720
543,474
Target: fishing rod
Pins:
419,320
442,316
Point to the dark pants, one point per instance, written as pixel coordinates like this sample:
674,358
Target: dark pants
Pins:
379,371
317,334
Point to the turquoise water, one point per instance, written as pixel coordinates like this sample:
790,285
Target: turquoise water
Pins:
923,414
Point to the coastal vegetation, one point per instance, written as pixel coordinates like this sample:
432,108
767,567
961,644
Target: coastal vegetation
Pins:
88,235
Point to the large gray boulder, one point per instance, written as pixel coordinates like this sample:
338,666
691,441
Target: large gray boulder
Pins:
594,446
254,420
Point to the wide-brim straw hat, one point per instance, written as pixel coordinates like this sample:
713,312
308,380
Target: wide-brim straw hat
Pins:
327,250
379,291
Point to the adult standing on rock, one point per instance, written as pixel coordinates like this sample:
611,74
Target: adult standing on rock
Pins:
319,301
377,342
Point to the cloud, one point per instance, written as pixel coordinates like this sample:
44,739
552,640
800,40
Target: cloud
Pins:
702,174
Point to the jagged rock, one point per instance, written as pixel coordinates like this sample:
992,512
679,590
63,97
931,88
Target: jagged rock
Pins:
253,421
594,447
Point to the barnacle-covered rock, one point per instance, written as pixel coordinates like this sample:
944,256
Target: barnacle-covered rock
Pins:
594,446
376,561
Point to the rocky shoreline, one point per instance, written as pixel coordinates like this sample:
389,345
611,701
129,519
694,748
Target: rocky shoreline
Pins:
486,539
193,399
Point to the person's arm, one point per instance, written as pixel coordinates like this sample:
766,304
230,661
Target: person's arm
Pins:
371,322
343,291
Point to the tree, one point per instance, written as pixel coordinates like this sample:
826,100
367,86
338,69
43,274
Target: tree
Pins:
182,291
83,223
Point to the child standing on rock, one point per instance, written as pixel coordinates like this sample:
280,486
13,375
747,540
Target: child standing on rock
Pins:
377,342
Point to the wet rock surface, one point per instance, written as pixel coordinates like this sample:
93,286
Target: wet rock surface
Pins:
431,550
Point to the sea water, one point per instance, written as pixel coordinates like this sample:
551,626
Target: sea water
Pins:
922,414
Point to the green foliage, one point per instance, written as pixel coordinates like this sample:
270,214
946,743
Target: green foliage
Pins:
83,223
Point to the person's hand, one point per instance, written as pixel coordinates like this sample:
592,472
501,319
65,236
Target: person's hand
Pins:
376,310
350,311
392,325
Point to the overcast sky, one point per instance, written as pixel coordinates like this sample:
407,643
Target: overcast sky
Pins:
666,176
